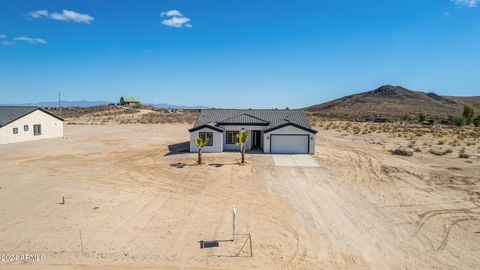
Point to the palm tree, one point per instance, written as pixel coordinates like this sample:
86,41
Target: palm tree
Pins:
242,141
200,144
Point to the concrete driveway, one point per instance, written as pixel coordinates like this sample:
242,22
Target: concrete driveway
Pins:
294,161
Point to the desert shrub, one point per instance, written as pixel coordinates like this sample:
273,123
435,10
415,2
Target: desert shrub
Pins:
462,154
454,142
476,121
468,114
403,151
422,117
356,130
459,121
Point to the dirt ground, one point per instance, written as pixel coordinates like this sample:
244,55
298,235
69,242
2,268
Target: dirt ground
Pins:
131,202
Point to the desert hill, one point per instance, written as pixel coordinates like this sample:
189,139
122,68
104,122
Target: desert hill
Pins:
391,100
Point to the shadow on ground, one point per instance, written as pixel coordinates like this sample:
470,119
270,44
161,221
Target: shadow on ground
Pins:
178,148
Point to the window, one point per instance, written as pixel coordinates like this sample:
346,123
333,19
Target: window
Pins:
15,130
207,136
37,130
232,137
25,128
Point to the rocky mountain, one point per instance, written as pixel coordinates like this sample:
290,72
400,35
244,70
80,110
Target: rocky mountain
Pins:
398,101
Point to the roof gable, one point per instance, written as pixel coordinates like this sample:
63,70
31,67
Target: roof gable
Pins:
288,123
242,119
272,118
212,127
9,114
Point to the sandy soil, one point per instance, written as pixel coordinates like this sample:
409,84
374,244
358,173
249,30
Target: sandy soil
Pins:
129,202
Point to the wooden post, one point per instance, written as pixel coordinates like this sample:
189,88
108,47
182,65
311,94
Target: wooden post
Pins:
63,199
234,212
81,240
251,248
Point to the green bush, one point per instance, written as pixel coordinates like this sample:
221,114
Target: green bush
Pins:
422,117
459,121
476,122
468,114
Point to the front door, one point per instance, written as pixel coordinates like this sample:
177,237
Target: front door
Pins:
257,139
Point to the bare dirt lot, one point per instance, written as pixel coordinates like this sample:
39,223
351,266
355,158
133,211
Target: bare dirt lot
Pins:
130,202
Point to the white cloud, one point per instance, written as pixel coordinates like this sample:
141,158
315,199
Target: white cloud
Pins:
7,43
171,13
174,18
38,14
31,40
65,15
72,16
466,3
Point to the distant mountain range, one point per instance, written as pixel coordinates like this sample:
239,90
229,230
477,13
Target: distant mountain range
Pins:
86,103
386,100
391,100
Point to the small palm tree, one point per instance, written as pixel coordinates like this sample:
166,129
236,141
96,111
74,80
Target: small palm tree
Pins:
200,144
242,141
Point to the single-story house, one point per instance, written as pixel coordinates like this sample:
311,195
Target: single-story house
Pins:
271,130
129,101
28,123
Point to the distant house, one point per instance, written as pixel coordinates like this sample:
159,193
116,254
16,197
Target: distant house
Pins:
129,101
28,123
174,110
271,130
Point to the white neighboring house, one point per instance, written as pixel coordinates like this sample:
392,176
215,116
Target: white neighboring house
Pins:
270,130
28,123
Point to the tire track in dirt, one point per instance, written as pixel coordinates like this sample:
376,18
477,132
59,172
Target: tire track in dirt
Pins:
448,229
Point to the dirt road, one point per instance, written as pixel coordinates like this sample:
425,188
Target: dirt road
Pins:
130,202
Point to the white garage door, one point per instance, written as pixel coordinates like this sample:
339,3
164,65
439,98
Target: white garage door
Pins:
289,144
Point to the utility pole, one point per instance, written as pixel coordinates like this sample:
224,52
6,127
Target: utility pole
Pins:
60,104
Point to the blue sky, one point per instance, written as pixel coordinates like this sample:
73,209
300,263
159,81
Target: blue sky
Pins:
231,53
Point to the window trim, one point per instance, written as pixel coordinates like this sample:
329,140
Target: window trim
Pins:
25,127
235,132
35,133
15,130
210,142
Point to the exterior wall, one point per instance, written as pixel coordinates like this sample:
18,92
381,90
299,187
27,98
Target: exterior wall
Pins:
217,141
234,147
131,104
288,130
51,128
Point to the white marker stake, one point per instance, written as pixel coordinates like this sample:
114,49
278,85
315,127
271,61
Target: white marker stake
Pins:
234,211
